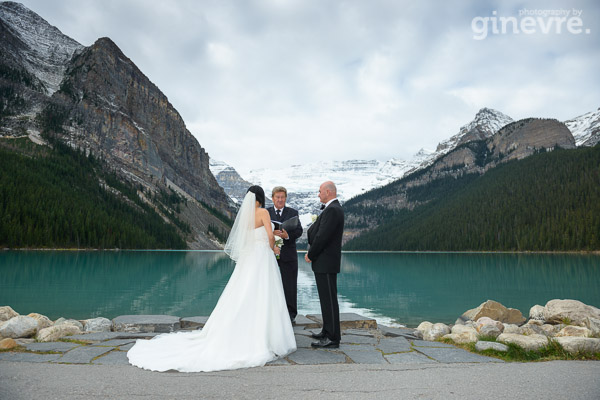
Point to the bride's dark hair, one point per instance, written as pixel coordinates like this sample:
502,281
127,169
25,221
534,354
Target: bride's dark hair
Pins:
259,192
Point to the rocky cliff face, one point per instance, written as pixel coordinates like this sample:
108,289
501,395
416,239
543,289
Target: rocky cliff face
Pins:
97,100
116,112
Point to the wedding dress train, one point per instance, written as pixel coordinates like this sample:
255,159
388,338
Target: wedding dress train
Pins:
249,326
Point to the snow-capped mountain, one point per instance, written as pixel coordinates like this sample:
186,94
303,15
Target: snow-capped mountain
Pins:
352,177
486,123
585,128
44,50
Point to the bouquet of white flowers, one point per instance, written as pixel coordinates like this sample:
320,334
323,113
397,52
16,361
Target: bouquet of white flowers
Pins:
278,243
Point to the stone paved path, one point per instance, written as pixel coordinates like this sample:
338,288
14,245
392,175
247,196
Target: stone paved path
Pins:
363,342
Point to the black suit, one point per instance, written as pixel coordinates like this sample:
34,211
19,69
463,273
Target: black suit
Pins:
288,260
325,254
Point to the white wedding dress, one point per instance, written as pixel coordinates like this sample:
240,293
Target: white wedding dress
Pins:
249,326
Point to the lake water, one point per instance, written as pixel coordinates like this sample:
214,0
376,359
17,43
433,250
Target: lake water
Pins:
404,288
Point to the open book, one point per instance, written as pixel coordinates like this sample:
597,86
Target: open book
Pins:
288,225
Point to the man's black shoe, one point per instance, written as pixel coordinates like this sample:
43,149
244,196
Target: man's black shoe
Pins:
319,335
326,343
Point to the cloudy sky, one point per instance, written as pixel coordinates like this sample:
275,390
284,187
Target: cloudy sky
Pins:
265,82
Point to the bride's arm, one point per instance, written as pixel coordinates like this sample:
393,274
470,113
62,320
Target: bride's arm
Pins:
266,220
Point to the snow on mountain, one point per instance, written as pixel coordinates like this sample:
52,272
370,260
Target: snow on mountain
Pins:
585,128
486,123
352,177
48,50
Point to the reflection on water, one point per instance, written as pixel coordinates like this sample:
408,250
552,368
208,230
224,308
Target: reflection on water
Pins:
406,288
414,287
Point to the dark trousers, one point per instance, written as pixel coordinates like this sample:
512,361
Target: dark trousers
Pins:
330,310
289,278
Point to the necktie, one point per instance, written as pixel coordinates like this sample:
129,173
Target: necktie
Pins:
322,206
278,212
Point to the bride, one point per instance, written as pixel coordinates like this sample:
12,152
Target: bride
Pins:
250,324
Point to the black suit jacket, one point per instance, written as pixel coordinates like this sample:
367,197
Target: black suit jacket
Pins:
325,239
288,249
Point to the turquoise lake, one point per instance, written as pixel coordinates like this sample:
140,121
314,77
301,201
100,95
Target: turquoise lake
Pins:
402,288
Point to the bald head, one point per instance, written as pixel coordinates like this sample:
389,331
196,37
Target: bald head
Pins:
327,191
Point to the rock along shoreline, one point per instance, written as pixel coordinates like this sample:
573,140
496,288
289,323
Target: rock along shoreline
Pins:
491,325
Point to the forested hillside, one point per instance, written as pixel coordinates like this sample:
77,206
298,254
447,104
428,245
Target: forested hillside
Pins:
60,198
545,202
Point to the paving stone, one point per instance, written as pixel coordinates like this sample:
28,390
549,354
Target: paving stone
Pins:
146,323
356,339
141,335
83,354
366,357
357,347
349,321
304,341
28,357
115,342
426,343
314,357
396,332
279,361
299,330
301,320
193,322
96,336
454,355
127,347
359,332
60,347
113,358
411,357
394,345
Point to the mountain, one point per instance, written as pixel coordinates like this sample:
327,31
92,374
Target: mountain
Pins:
352,177
485,124
549,201
586,128
228,178
515,141
96,100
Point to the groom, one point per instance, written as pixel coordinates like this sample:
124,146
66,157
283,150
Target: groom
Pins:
325,253
288,258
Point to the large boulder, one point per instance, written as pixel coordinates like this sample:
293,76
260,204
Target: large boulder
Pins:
572,330
62,321
436,331
489,331
6,313
496,311
486,321
533,327
536,312
20,326
53,333
593,324
462,334
483,345
7,344
42,320
531,342
511,328
99,324
573,344
573,311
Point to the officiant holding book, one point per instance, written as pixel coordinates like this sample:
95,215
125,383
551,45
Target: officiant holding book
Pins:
287,227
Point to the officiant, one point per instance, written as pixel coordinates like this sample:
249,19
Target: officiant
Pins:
288,259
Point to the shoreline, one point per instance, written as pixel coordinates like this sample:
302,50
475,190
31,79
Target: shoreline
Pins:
579,252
